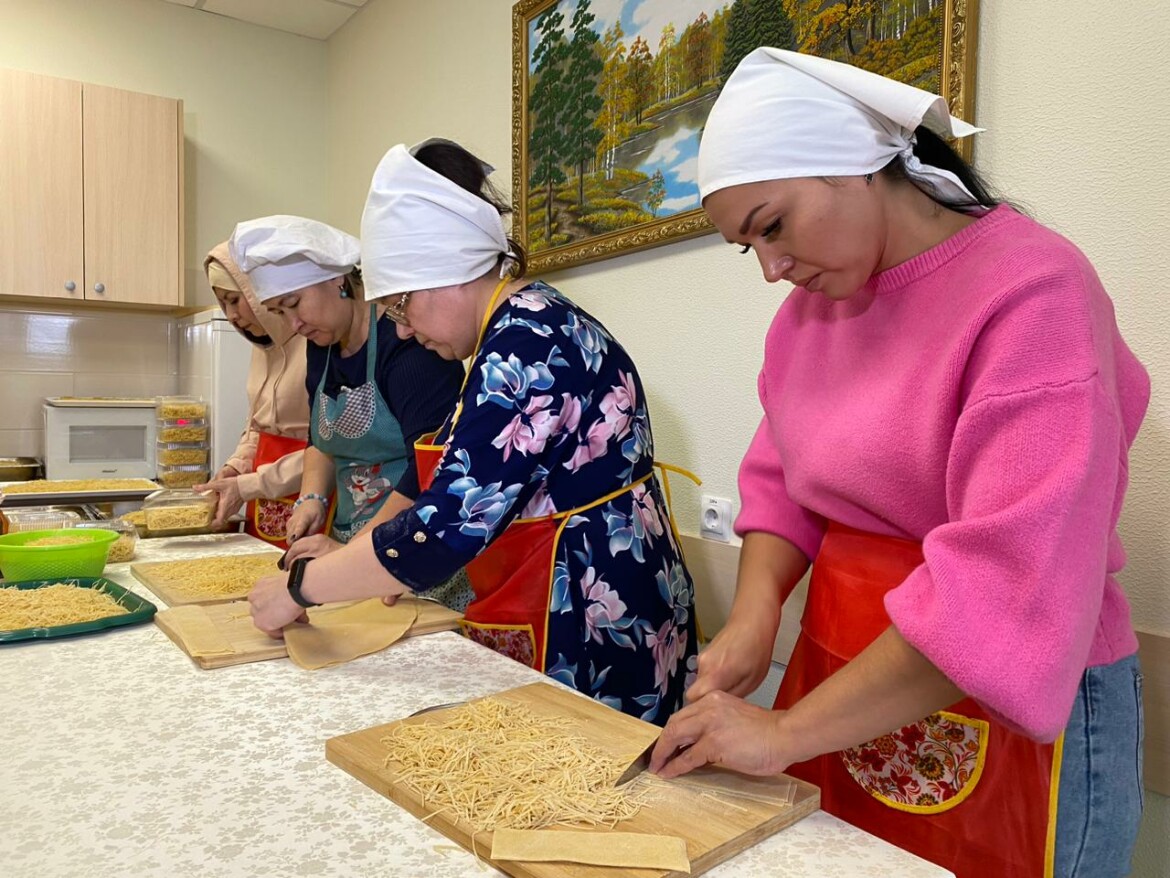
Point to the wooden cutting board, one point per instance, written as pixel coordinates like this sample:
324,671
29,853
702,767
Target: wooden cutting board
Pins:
231,627
171,587
715,828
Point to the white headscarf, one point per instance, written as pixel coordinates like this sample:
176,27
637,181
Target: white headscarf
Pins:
782,114
282,254
422,231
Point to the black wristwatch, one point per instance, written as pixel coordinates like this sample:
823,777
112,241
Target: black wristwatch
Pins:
296,574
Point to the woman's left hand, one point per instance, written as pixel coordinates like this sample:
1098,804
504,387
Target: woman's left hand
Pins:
720,729
272,606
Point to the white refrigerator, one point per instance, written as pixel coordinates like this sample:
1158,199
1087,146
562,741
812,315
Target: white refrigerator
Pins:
213,363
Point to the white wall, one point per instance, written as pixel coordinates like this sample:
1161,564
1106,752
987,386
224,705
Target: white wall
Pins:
1073,134
1074,99
254,100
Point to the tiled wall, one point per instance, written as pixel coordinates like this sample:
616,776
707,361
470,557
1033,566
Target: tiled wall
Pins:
47,351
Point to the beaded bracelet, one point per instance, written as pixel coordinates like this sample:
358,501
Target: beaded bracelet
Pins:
311,496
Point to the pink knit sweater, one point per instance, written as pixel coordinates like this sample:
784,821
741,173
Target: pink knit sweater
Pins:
978,398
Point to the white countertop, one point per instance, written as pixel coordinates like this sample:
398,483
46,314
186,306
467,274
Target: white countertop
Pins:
123,758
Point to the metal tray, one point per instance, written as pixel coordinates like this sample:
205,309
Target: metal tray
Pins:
141,610
72,402
49,498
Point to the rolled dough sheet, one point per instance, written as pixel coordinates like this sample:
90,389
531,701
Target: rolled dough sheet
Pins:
628,850
336,636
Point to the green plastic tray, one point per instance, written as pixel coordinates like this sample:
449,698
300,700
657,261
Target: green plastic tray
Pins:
141,610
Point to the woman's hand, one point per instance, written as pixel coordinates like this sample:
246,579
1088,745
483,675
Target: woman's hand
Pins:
721,729
272,607
310,547
308,518
736,661
228,491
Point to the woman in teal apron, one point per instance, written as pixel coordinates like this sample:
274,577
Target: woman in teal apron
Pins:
372,394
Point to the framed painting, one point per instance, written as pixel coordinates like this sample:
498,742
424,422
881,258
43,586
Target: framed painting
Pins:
609,98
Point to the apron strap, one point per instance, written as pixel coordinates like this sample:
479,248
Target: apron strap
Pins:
371,350
487,316
372,344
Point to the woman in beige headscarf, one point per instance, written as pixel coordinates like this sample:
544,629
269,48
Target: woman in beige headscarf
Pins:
265,469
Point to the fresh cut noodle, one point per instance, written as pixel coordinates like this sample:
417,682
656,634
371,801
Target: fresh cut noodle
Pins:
53,605
495,764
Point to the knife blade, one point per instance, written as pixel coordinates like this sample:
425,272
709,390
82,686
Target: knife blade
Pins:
641,763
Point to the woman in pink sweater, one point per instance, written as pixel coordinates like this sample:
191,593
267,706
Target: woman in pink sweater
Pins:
948,408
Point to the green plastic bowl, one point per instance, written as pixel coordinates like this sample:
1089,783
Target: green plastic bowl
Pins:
20,562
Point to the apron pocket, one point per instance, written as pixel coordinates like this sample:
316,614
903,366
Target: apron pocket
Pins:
514,641
924,768
271,518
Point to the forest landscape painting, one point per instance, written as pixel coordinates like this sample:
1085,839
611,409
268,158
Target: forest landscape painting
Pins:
610,98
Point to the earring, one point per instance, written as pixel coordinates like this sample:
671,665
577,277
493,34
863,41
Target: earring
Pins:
868,179
342,291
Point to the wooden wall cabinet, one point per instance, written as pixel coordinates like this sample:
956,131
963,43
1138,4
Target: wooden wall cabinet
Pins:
91,201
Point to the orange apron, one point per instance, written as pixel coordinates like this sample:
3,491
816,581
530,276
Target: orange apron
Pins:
268,519
513,577
957,788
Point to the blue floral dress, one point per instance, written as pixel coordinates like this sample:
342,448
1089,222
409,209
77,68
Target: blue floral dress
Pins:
553,420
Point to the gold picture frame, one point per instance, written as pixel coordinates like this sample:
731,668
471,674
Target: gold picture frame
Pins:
609,222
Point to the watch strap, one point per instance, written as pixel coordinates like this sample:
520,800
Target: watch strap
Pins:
296,575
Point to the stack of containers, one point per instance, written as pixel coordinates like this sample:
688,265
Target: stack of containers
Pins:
183,454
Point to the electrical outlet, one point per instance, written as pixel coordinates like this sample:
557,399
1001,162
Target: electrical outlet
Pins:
715,518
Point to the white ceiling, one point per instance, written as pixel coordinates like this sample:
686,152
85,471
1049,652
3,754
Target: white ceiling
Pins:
309,18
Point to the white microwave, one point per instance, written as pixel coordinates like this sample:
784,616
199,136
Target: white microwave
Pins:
105,441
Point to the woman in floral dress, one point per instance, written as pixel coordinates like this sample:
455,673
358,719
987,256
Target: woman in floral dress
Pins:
542,481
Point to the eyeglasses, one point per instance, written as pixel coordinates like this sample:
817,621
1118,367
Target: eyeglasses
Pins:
397,309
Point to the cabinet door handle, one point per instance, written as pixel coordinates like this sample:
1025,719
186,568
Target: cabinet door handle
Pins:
99,288
70,285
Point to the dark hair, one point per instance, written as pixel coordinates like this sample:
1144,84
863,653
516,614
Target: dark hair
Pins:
933,150
349,280
465,170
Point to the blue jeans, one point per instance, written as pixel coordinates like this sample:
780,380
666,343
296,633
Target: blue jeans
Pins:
1100,804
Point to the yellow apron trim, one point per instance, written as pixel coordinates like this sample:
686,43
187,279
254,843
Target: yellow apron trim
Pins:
984,727
577,510
671,468
487,316
427,442
1053,797
556,541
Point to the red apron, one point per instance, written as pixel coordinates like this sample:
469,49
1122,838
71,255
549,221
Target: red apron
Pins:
957,788
268,519
512,578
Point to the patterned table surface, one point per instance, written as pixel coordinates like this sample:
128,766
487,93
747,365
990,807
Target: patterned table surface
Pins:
124,759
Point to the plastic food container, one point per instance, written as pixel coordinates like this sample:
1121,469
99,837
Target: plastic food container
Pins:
123,547
182,430
181,476
60,554
20,520
182,453
137,519
180,407
178,512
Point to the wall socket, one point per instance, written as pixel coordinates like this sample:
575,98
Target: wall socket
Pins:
715,518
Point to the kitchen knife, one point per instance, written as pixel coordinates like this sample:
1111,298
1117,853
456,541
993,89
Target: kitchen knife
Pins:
640,764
